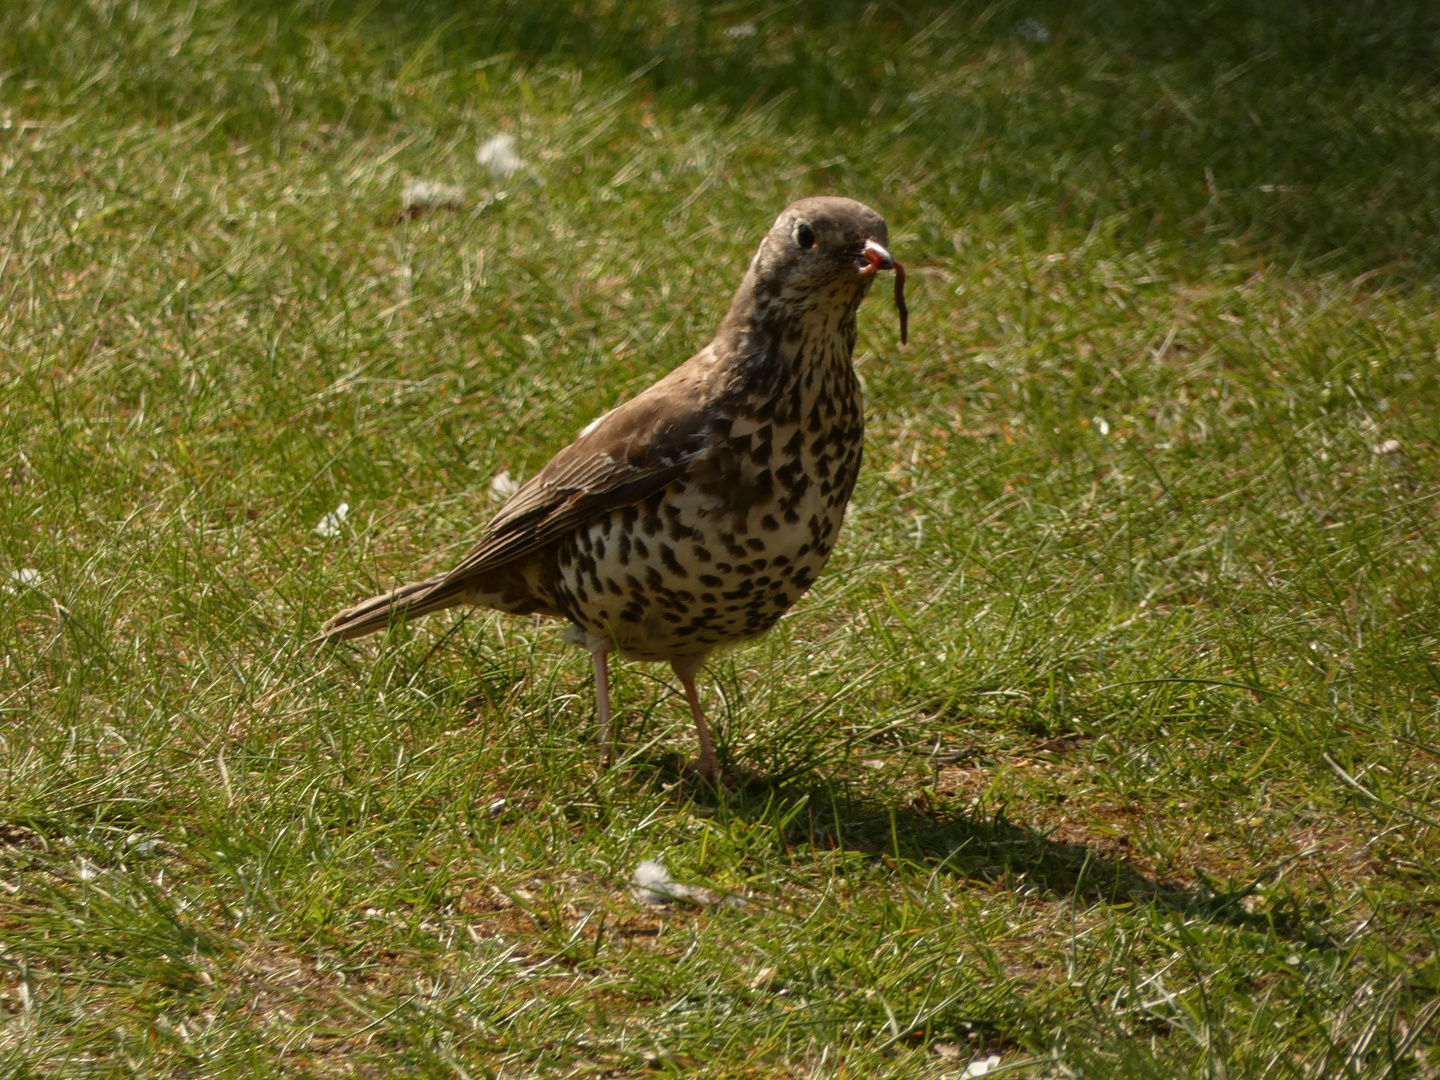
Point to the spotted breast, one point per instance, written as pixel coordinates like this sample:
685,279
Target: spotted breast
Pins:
696,514
720,554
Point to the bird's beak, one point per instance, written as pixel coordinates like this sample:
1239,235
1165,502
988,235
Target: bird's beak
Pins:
874,257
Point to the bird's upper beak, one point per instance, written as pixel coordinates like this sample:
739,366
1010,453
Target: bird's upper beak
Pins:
874,257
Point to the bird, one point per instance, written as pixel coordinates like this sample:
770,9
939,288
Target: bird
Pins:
694,515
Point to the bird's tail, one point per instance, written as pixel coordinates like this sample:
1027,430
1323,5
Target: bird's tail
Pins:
407,602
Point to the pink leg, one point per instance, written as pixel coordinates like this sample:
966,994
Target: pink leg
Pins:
601,659
709,765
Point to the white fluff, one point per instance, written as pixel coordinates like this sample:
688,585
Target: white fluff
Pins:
20,580
981,1066
653,885
1031,30
431,195
502,485
1389,446
497,154
331,523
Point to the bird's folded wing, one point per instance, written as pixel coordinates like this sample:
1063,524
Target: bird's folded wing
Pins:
622,459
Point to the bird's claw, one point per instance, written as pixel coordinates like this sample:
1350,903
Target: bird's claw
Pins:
708,769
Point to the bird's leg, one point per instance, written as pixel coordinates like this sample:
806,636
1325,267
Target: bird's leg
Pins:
601,659
709,765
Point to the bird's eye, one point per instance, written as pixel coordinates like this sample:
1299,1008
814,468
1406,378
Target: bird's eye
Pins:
805,235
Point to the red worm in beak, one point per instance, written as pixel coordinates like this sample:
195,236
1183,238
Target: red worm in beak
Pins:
877,258
900,302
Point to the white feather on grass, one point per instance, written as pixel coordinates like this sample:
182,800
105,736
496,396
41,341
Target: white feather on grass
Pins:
23,579
654,887
497,154
503,485
333,522
980,1067
1033,31
420,195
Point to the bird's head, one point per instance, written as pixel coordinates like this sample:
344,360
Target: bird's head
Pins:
826,249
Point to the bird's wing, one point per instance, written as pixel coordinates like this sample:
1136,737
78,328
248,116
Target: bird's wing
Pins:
623,458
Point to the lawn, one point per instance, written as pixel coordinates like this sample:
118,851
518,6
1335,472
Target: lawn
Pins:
1107,746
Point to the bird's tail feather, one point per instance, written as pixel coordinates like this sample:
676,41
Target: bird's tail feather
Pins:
407,602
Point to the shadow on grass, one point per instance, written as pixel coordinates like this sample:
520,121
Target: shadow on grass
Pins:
991,848
1303,130
1300,132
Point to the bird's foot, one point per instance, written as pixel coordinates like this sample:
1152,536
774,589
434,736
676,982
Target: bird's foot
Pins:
707,768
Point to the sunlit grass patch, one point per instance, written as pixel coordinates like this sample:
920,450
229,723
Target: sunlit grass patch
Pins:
1106,744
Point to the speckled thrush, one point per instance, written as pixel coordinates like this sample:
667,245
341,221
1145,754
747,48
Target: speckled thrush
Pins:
694,515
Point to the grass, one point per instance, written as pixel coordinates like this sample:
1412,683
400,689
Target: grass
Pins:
1107,743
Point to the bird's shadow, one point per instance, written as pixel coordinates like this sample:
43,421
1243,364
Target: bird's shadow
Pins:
990,847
